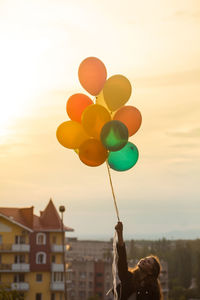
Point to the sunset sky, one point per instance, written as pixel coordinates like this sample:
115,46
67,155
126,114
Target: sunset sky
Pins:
156,45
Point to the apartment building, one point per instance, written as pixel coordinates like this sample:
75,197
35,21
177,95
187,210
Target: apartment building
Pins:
90,277
31,252
88,249
164,279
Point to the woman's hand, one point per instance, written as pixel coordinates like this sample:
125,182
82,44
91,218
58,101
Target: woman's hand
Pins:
119,229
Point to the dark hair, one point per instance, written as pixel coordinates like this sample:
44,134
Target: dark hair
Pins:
151,281
156,266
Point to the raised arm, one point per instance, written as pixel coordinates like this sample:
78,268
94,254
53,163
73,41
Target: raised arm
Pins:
122,259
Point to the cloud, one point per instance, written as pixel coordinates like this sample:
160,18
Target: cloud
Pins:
189,145
190,133
177,78
187,15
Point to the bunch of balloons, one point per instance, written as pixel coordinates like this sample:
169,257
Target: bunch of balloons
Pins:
100,131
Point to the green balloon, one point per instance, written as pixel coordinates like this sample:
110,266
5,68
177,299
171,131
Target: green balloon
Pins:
123,159
114,135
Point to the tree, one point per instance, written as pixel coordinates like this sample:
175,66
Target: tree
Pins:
198,271
7,294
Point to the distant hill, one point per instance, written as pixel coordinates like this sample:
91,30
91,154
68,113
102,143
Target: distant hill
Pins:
171,235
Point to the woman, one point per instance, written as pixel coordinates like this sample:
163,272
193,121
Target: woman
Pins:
142,283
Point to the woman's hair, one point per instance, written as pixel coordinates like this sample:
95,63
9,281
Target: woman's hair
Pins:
156,266
151,281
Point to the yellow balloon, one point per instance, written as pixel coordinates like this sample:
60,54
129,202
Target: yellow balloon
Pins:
116,91
93,119
101,101
71,134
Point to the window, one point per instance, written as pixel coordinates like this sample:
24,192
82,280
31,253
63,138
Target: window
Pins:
19,259
53,259
20,239
39,277
41,258
99,284
0,259
0,239
41,238
53,296
100,295
82,294
58,276
19,278
82,275
82,284
38,296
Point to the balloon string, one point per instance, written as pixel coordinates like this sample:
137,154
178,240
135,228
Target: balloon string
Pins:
113,193
114,266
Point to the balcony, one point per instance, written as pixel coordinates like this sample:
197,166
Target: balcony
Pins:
20,267
5,267
56,248
14,248
20,247
5,247
57,267
20,286
57,286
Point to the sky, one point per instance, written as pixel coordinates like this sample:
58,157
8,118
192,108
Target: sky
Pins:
156,45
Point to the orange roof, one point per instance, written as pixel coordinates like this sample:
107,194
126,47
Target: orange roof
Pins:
48,220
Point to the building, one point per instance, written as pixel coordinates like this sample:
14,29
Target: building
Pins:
90,263
88,249
90,277
31,252
164,279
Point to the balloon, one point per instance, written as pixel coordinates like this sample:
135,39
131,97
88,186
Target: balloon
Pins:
114,135
123,159
93,119
76,105
131,117
92,75
92,153
101,101
116,91
71,134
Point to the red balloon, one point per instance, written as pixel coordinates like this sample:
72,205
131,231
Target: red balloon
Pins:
92,75
76,104
131,117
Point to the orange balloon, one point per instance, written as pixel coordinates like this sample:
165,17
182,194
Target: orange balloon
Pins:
131,117
92,153
92,75
76,104
71,134
93,119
